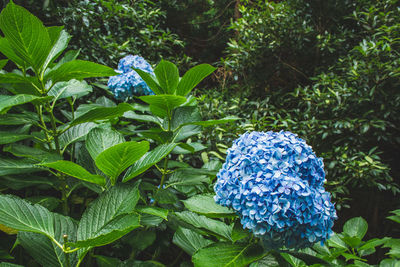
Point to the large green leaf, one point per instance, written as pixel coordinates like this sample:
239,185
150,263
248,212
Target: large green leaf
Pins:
160,212
356,227
26,34
148,160
150,80
78,69
227,255
114,160
31,152
113,230
17,166
184,115
189,240
205,204
20,215
75,170
16,78
6,49
75,133
143,118
193,77
7,101
215,122
58,46
162,105
18,119
216,227
99,139
102,113
10,137
45,252
71,88
168,76
118,201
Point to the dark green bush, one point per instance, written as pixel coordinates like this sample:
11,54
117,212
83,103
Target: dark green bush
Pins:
106,30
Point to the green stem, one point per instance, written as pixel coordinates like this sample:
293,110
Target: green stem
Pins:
164,174
65,237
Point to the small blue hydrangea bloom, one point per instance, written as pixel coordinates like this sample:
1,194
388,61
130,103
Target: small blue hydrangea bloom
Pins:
274,181
129,83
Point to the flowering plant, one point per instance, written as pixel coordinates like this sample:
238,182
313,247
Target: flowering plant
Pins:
129,82
274,181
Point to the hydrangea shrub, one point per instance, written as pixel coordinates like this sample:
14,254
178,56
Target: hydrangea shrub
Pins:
128,82
274,181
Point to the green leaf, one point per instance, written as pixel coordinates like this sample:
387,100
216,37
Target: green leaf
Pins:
356,227
26,34
150,81
6,49
184,115
238,232
75,170
102,113
16,78
3,62
205,205
18,182
78,69
184,148
162,105
336,242
165,196
307,258
215,122
267,261
193,77
31,152
17,166
227,255
44,251
99,139
113,230
9,137
214,226
114,160
148,160
160,212
75,133
7,264
119,200
60,44
143,118
168,76
71,88
18,119
189,240
20,215
7,101
141,239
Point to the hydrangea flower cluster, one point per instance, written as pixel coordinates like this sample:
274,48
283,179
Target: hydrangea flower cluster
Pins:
129,82
274,181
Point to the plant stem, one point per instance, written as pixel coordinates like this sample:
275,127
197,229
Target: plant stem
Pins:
65,237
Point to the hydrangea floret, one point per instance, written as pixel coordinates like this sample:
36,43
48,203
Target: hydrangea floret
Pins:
274,181
129,83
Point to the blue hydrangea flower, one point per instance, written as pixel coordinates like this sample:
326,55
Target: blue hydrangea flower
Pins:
274,181
129,83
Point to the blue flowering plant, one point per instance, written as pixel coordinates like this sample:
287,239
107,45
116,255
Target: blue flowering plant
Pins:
274,181
128,82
